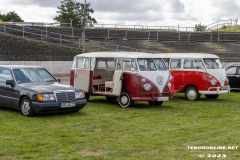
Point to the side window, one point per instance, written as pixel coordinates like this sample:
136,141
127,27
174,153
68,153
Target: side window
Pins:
127,65
175,64
83,63
193,64
5,74
231,70
110,63
238,71
101,63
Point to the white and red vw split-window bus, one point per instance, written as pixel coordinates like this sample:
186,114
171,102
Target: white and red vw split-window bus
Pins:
126,76
197,73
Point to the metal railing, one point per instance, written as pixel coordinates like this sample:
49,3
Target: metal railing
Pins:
64,40
222,23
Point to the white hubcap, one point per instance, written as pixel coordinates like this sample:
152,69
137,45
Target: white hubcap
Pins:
192,94
124,99
25,107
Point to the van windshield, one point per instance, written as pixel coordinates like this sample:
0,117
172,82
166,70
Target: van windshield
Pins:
212,63
151,64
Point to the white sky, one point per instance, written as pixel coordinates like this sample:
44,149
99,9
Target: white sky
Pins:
139,12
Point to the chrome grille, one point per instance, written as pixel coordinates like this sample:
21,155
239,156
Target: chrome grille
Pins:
66,96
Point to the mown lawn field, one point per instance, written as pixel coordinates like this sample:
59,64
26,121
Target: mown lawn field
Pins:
103,130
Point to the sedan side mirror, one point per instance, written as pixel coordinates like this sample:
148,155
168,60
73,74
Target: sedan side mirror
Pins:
59,80
10,82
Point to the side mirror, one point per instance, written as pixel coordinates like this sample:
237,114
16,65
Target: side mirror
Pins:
59,80
10,82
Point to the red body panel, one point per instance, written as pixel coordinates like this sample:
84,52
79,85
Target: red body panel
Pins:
72,73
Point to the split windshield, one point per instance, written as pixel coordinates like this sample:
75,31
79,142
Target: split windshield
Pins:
30,75
151,64
212,63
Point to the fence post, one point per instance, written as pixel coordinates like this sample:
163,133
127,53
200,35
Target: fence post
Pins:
4,28
117,47
46,31
149,34
157,35
60,39
42,35
126,35
23,32
211,38
79,43
189,35
179,36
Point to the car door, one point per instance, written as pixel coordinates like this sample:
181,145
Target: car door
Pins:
82,73
233,77
6,91
175,67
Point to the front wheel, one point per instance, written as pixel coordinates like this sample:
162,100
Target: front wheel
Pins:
26,107
191,93
124,100
159,103
211,96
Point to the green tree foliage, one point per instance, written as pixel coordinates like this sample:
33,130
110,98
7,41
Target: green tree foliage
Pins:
200,28
10,17
72,10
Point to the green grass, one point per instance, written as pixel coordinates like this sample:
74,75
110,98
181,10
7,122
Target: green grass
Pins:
103,130
230,29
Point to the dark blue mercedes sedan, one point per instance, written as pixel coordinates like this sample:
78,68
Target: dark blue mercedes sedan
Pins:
33,90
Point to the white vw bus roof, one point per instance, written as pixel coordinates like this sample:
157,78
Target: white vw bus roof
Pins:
187,55
119,55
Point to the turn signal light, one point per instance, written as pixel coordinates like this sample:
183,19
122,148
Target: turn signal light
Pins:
40,97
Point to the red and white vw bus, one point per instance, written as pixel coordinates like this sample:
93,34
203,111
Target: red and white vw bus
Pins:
126,76
197,73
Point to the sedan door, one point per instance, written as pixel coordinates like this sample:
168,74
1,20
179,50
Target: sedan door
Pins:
6,91
233,75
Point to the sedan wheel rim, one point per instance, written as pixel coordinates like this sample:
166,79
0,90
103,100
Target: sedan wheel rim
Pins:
25,107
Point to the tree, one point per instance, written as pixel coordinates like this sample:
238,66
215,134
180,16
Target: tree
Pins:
200,28
10,17
72,10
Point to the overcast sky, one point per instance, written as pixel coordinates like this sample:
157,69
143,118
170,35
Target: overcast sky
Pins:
142,12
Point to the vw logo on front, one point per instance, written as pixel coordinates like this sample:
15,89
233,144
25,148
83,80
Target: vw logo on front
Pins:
159,80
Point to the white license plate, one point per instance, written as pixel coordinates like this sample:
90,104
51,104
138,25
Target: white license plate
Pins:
67,104
162,98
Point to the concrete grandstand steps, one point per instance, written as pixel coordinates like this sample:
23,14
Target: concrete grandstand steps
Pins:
19,49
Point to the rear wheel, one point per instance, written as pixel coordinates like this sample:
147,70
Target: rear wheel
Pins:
211,96
124,100
26,107
159,103
191,93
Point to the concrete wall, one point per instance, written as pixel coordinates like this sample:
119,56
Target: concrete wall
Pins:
54,67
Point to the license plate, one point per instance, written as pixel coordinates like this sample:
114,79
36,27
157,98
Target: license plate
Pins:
67,104
162,98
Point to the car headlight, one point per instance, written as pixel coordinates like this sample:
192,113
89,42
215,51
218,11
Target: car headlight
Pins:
45,97
213,82
147,87
79,94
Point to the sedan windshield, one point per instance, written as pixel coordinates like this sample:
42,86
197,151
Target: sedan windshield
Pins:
30,75
149,64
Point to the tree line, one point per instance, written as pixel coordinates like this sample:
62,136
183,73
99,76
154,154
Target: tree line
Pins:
68,11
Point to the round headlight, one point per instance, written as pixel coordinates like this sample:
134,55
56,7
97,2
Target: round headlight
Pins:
147,87
213,82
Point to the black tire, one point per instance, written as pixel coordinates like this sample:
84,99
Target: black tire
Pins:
124,100
192,94
26,107
211,96
111,99
87,96
159,103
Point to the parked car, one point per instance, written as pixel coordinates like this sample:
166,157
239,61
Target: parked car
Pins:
125,76
33,90
233,74
197,73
